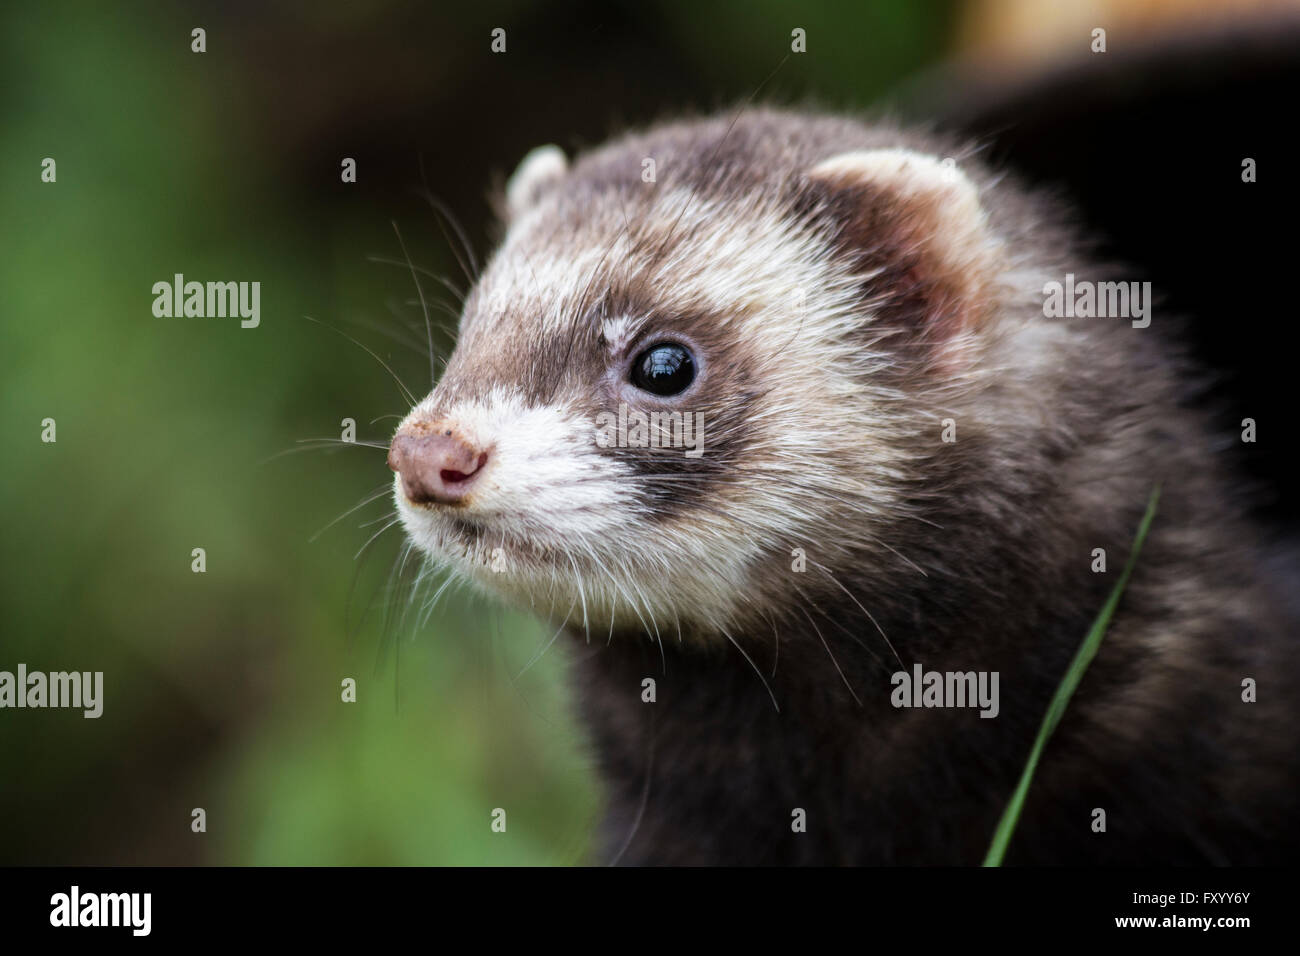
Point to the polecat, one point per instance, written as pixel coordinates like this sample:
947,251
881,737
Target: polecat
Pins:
766,409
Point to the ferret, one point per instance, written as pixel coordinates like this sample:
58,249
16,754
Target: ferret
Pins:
765,412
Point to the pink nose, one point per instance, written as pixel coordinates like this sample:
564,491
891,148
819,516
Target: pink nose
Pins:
436,464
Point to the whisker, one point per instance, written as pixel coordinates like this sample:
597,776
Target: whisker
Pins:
380,492
341,441
390,524
822,638
776,637
651,611
419,289
581,593
375,521
447,283
440,306
547,647
645,792
324,444
406,392
766,686
862,609
401,335
441,212
426,612
356,576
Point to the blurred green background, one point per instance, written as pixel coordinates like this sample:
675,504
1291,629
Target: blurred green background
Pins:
222,689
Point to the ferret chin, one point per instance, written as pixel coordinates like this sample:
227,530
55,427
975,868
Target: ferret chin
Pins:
909,466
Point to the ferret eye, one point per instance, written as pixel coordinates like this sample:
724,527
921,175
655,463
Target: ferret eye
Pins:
664,369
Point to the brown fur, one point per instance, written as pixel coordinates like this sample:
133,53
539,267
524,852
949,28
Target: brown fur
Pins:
973,555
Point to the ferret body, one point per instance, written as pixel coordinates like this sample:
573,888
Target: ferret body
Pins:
901,461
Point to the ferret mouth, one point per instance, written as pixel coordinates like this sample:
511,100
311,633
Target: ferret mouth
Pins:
485,542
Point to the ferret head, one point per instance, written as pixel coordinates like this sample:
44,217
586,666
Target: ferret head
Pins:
700,355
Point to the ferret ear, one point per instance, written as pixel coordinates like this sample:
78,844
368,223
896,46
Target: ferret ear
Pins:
915,220
541,169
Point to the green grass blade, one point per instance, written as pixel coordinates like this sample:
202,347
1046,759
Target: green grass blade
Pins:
1082,658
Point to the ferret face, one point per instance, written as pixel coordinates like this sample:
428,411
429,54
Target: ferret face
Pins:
662,389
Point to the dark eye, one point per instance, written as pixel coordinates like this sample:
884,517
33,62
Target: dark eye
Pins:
665,369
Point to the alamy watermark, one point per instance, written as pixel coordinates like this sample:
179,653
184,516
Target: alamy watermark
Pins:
1086,299
633,428
212,300
75,908
76,689
922,688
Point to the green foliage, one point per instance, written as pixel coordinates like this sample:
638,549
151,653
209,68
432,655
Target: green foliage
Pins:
1078,666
